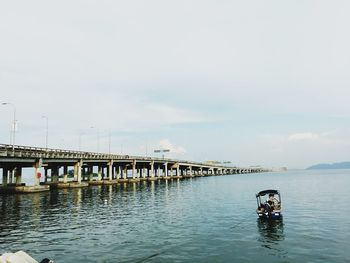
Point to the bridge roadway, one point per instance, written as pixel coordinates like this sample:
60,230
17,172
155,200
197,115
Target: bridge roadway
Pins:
69,169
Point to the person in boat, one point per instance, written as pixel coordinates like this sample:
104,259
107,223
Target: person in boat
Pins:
273,203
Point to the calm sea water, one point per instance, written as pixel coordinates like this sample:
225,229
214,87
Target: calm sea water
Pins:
209,219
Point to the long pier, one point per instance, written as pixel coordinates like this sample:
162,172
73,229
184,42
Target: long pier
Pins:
70,169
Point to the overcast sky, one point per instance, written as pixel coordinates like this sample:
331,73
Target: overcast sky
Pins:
251,82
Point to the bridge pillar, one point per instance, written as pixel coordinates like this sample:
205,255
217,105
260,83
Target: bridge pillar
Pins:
45,174
37,166
110,170
54,174
77,171
65,174
18,175
152,169
4,176
178,170
141,173
133,169
190,169
11,175
166,169
119,171
90,172
99,173
125,172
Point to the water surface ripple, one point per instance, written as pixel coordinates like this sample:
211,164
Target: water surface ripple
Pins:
209,219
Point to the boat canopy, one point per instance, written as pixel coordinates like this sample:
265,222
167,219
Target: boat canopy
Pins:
265,192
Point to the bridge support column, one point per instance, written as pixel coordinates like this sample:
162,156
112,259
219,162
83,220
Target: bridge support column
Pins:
54,174
118,172
110,170
152,169
125,172
11,175
133,169
90,172
65,174
77,171
37,166
166,169
18,174
99,173
190,169
4,176
45,174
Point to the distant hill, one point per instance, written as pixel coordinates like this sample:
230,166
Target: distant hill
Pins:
343,165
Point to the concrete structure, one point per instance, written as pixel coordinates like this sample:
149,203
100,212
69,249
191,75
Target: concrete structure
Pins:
69,169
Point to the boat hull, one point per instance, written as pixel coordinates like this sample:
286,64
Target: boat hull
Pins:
272,215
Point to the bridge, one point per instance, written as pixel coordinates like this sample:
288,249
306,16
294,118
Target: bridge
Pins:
70,169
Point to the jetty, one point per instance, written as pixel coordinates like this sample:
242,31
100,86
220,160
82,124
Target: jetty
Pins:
57,168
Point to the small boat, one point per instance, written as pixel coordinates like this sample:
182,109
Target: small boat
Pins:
20,257
271,207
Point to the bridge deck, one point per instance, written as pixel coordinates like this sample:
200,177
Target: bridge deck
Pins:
97,168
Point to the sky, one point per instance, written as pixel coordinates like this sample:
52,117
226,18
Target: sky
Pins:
251,82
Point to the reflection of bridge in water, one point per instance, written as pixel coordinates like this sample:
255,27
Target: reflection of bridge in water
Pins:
69,169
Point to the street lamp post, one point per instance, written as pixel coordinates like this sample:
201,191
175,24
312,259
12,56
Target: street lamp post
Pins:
109,141
80,135
47,131
98,137
13,126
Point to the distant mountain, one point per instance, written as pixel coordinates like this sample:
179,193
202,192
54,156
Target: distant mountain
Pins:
343,165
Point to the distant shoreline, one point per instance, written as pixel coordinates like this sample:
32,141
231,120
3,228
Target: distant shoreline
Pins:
326,166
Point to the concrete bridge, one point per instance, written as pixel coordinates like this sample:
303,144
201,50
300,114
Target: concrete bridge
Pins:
69,169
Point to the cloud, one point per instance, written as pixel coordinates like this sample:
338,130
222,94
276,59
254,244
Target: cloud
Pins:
304,136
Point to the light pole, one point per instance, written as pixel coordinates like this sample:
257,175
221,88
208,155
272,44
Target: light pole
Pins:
98,137
80,135
109,141
47,131
14,125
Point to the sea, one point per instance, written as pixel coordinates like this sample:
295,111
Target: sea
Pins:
205,219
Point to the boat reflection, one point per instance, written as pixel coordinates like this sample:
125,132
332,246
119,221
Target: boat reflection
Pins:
271,234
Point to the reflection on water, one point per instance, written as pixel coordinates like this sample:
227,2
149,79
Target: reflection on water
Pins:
180,221
271,235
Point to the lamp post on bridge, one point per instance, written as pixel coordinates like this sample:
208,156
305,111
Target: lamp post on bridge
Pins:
47,131
98,137
13,130
80,136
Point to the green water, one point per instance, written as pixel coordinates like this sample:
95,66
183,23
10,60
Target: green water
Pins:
210,219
